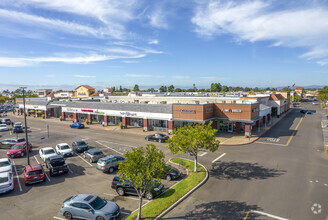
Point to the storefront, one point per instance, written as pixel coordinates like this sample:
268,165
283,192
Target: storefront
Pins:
40,109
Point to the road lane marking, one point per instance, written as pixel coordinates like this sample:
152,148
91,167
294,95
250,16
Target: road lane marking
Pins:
20,187
247,214
218,158
109,147
294,132
269,215
44,172
83,159
85,139
203,154
39,129
259,142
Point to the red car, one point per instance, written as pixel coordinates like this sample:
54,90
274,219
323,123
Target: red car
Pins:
19,150
34,173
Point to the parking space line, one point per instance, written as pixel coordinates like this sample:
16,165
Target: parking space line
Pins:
35,128
69,169
83,159
125,213
109,147
203,154
59,218
20,187
85,139
291,137
118,144
124,197
269,215
218,158
259,142
44,172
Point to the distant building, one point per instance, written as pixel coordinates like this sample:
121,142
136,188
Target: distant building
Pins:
299,90
277,102
63,94
286,95
43,92
84,91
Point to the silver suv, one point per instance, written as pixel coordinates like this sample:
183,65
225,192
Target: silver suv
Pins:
109,163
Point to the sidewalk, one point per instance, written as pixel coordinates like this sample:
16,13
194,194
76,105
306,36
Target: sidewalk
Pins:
324,126
226,139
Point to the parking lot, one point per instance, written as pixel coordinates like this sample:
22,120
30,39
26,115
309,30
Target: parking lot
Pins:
43,200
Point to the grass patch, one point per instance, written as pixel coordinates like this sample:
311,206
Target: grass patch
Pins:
158,205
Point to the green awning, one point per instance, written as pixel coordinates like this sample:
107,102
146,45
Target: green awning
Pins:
31,111
40,111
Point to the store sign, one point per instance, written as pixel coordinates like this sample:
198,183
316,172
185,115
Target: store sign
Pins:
35,106
81,93
86,110
98,112
209,110
232,110
188,111
71,110
128,114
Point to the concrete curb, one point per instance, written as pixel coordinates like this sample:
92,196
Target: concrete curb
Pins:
290,110
185,196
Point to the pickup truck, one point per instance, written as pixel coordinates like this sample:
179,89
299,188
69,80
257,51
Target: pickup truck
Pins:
56,165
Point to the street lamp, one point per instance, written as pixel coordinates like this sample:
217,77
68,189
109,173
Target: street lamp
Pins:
26,137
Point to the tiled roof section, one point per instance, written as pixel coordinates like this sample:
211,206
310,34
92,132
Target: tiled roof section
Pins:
86,86
94,94
276,97
153,108
299,88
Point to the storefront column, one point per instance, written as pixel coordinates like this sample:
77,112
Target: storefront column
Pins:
63,116
52,112
269,119
248,129
264,121
238,127
36,113
20,111
215,124
258,125
105,120
75,117
127,121
124,122
45,114
89,118
170,125
145,124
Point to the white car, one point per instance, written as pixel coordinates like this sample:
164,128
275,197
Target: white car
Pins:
18,124
4,127
47,152
64,149
5,165
6,182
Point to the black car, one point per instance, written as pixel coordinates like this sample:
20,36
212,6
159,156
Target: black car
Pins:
56,165
157,137
9,142
80,146
6,121
127,188
18,129
93,154
172,173
306,112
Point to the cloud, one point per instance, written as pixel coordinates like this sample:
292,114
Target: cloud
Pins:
137,76
22,61
181,77
130,61
153,42
51,76
158,19
259,20
84,76
210,78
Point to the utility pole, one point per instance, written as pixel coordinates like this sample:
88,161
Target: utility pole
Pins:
26,137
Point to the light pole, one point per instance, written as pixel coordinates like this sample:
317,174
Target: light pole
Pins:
26,137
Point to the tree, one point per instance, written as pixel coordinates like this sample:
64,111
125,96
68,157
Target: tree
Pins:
251,92
121,90
323,93
170,88
286,89
163,89
136,87
192,139
225,89
142,168
178,90
216,87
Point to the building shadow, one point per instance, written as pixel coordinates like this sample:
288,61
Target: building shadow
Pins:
222,210
242,171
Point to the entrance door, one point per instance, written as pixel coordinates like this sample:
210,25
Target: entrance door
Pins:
230,127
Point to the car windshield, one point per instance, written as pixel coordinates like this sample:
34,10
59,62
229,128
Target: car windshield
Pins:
2,125
4,163
35,172
17,147
64,147
3,179
98,203
50,151
56,163
81,143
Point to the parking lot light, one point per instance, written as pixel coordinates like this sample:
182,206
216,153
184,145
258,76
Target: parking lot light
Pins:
26,137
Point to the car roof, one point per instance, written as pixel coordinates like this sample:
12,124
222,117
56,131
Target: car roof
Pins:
62,144
109,157
4,159
47,148
22,143
94,150
33,167
83,198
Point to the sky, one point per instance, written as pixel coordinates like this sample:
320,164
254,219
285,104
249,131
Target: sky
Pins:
60,44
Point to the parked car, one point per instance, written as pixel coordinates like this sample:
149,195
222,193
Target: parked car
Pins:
56,165
5,165
4,127
19,150
109,163
6,182
6,121
85,206
93,154
18,129
9,142
77,125
126,188
64,149
18,124
172,173
80,146
306,112
46,152
157,137
33,173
